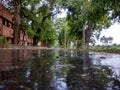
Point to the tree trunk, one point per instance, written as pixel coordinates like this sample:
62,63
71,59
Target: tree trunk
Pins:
88,34
34,41
17,21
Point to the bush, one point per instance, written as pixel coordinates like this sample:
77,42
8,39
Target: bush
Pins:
3,42
79,43
111,49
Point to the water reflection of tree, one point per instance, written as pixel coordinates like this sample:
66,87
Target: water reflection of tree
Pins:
60,69
86,76
74,80
115,84
40,73
100,78
12,68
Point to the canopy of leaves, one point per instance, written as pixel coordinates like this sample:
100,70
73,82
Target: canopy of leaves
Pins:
61,29
37,17
37,20
98,13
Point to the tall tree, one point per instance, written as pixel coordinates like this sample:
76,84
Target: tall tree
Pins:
87,16
38,16
60,28
17,20
32,16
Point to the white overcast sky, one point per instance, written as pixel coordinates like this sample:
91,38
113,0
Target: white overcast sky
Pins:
62,14
113,31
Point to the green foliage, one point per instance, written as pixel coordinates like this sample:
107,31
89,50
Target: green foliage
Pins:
85,13
75,19
37,20
59,25
79,43
112,7
110,49
3,42
61,37
106,40
37,17
47,33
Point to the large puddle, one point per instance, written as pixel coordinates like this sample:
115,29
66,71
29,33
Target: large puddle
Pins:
58,70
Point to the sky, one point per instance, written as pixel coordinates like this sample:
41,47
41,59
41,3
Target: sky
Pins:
62,14
113,31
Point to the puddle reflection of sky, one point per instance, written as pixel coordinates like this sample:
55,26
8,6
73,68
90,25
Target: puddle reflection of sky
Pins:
114,64
111,60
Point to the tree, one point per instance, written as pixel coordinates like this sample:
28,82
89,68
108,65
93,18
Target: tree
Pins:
94,37
87,15
32,16
106,40
38,21
60,28
17,20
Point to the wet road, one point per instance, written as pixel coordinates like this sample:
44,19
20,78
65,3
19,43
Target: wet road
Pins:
58,70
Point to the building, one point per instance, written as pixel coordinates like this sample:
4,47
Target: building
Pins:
25,40
6,28
6,24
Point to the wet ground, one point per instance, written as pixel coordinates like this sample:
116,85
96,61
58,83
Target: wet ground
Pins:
58,70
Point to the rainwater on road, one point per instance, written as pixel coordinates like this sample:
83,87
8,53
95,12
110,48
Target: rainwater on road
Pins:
56,69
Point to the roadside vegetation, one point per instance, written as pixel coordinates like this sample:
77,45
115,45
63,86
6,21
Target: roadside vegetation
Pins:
109,49
3,42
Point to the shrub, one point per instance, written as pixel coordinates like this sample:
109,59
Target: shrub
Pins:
111,49
79,43
3,42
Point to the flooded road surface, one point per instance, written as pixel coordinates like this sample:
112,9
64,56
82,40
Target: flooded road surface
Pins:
58,70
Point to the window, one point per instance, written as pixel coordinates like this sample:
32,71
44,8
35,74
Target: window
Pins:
8,24
3,21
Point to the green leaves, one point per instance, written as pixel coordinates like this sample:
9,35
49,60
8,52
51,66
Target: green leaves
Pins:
97,13
37,17
37,20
